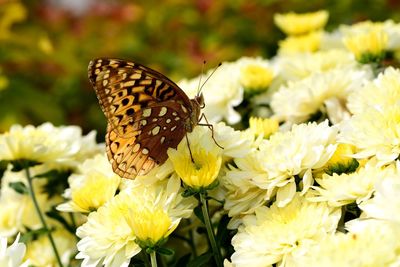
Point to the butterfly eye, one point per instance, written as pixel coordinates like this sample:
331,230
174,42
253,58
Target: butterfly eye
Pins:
200,100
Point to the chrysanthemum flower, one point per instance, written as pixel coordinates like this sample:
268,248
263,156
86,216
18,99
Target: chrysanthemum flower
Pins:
279,235
241,197
391,28
225,81
40,252
300,44
282,158
368,47
93,173
46,143
255,74
385,204
339,190
294,24
369,243
236,144
263,127
116,231
314,93
374,132
382,92
300,66
202,172
12,256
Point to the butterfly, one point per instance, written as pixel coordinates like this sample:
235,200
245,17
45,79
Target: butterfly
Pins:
147,113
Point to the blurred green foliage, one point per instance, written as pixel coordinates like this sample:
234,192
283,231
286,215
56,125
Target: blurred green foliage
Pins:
45,46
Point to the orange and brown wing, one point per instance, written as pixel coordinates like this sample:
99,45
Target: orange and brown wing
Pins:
163,129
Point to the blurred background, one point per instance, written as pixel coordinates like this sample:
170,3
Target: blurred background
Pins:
45,46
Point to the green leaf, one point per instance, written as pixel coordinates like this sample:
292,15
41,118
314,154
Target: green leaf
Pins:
19,187
165,251
200,260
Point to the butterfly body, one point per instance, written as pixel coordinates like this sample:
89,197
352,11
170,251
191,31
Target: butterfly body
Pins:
147,113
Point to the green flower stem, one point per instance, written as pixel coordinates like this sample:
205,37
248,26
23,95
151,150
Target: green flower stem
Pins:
210,232
39,212
153,259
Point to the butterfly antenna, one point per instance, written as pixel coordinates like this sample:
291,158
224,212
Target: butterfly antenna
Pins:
209,77
202,71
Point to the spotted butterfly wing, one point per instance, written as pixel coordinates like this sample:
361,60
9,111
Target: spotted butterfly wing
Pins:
147,113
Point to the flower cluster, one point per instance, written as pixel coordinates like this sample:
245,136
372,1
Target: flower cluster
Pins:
299,167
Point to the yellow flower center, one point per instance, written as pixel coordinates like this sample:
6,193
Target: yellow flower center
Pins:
88,199
255,77
369,46
264,127
340,162
150,225
199,174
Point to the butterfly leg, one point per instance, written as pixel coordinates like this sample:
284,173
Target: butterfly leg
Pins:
211,127
190,151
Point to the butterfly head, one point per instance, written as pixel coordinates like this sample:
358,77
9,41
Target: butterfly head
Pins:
199,98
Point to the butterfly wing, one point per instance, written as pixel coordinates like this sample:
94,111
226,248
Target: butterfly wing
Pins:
138,155
145,112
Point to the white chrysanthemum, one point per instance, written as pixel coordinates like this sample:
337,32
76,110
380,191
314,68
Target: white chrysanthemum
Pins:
47,143
12,256
222,92
236,144
279,235
298,101
285,156
369,243
339,190
241,197
380,93
40,252
300,66
374,132
93,173
295,153
385,204
111,235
